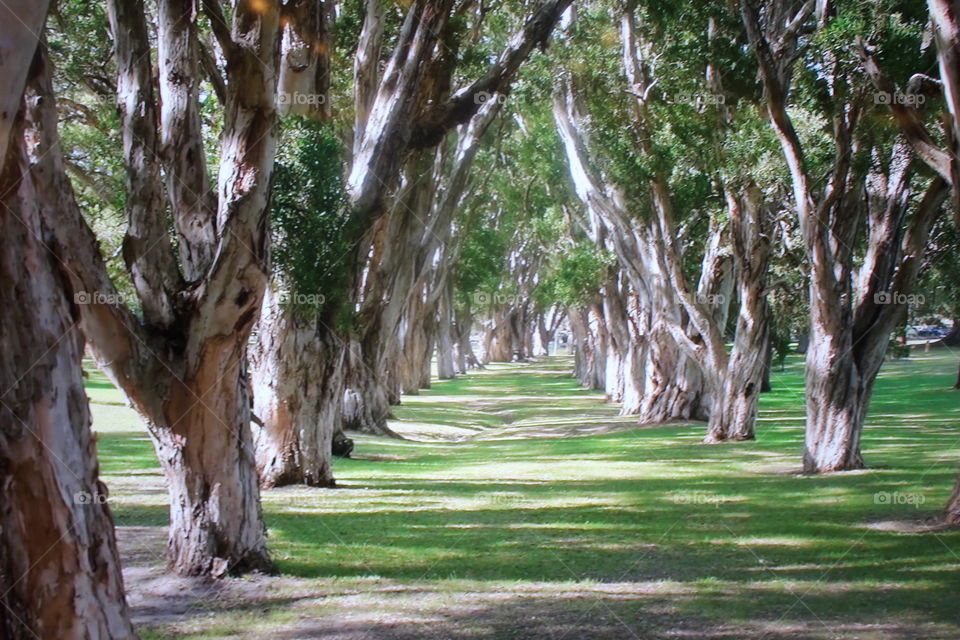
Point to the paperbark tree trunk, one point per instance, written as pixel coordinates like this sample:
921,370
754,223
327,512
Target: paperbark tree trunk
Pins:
850,323
446,369
588,349
59,567
366,400
671,384
306,48
297,407
182,366
734,412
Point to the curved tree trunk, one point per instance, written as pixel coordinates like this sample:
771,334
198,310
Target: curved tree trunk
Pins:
59,568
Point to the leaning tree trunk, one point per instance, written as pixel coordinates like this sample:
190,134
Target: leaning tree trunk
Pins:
59,568
297,408
671,383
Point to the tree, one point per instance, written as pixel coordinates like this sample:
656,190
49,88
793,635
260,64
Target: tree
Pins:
644,162
297,359
54,516
181,363
404,106
868,178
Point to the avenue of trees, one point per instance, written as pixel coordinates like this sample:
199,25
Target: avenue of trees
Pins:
268,220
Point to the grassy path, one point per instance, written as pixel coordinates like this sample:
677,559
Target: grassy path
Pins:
521,506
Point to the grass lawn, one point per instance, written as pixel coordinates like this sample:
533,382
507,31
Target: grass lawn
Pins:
521,506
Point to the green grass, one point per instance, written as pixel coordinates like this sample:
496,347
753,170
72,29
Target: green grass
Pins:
512,523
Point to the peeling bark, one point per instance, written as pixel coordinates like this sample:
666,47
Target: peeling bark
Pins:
186,379
851,318
299,408
59,567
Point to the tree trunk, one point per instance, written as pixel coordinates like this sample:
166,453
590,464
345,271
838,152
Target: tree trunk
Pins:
466,358
296,374
733,413
671,383
186,378
589,350
59,568
205,448
499,340
445,355
366,400
836,405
